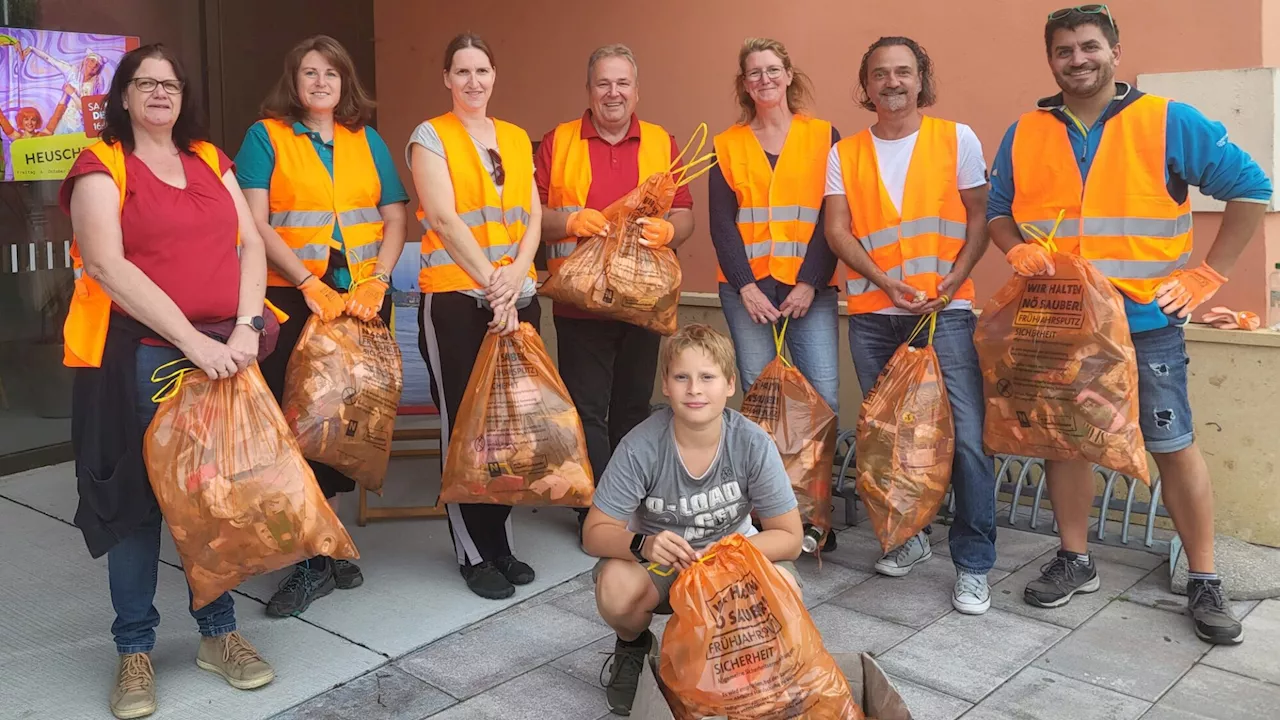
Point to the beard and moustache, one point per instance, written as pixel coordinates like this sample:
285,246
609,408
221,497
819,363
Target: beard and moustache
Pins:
1106,76
893,100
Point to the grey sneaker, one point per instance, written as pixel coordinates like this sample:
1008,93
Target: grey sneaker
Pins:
1213,620
899,561
972,595
1060,579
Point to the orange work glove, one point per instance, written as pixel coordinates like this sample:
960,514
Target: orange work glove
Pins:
1228,319
366,299
657,232
1030,259
1185,290
586,223
322,299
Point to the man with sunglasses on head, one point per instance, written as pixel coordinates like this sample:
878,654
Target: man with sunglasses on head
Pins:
1120,162
582,166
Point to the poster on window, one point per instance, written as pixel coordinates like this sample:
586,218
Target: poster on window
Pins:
53,86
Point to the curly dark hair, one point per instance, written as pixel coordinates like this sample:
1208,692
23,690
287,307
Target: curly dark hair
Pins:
928,86
189,127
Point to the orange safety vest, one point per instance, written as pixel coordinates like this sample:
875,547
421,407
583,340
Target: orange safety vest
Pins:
305,201
84,333
498,224
920,245
1132,230
777,206
571,175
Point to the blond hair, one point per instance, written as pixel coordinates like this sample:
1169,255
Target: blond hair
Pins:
697,336
799,92
615,50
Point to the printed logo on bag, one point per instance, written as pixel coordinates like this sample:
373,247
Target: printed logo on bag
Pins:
349,396
1005,388
750,629
1050,306
1023,420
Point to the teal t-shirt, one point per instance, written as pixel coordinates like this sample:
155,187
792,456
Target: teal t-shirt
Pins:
257,160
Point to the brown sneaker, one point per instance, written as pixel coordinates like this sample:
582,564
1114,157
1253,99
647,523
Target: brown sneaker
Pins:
135,693
232,657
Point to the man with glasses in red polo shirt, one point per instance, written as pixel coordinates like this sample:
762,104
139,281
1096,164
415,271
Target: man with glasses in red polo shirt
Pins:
581,167
1120,163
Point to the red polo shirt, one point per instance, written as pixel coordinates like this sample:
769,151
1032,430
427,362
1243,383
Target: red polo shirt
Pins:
614,169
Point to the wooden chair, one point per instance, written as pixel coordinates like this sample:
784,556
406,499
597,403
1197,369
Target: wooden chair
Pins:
367,513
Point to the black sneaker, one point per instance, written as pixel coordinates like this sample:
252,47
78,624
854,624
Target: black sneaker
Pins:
829,545
516,572
346,574
1214,622
1059,580
305,585
624,668
487,581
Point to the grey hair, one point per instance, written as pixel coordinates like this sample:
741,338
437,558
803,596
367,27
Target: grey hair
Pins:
608,51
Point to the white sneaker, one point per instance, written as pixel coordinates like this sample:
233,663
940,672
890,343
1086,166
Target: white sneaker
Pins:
972,595
899,561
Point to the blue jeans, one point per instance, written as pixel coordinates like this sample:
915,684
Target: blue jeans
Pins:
1163,404
814,339
132,565
873,340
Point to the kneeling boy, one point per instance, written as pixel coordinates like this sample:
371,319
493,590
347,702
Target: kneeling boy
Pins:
681,480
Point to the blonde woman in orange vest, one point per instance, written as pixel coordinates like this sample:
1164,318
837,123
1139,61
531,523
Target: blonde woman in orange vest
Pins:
765,200
482,221
583,166
906,202
1120,164
324,193
156,212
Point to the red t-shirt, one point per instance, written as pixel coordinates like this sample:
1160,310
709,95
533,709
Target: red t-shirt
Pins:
183,239
614,170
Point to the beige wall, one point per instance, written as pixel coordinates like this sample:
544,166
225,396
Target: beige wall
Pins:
989,57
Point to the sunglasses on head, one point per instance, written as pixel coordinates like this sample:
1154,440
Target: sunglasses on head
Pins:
499,175
1095,9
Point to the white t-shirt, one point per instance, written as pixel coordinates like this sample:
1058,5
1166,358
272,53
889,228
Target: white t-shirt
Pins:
893,157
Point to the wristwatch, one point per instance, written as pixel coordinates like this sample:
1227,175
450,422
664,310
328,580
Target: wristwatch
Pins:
637,546
256,322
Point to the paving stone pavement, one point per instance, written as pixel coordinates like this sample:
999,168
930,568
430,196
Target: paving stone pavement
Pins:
1125,653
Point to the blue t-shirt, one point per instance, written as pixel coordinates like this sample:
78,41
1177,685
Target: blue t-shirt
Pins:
1199,153
257,160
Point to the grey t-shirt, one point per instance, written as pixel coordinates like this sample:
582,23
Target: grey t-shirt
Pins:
647,484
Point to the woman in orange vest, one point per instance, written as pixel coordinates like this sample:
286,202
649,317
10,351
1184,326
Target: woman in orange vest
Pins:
765,200
143,300
321,226
481,217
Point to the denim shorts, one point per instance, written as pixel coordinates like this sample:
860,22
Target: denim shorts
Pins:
1164,406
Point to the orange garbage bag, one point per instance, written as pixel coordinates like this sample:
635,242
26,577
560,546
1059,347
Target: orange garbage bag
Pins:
741,644
341,395
518,439
1060,371
803,426
905,442
238,496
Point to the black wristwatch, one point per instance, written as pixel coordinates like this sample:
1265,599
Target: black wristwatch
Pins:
256,322
637,547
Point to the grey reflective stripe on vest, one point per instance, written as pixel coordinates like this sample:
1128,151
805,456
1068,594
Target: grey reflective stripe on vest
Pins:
359,216
789,249
1140,269
300,219
567,208
562,249
755,251
913,228
914,266
487,214
1116,227
781,213
312,251
439,258
366,252
517,215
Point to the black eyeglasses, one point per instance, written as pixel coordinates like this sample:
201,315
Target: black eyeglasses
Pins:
1095,9
146,85
499,175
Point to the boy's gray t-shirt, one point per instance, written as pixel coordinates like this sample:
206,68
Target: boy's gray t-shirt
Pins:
647,485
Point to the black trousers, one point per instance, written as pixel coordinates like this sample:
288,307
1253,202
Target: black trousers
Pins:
608,366
291,301
451,327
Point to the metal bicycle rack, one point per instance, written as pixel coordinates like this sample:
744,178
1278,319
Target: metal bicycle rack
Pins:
1020,478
